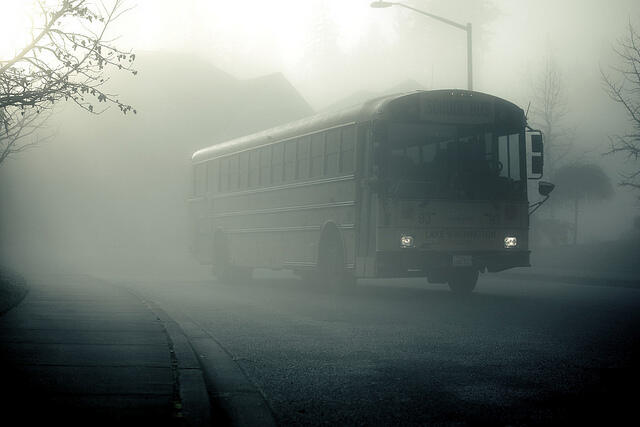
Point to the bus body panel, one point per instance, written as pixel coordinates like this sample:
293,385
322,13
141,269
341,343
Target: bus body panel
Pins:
280,227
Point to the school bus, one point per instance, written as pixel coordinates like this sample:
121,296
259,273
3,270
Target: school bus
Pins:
427,183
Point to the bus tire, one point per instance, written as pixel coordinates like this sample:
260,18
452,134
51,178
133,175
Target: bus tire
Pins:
463,280
331,269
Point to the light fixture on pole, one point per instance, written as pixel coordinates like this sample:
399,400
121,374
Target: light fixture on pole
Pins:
467,28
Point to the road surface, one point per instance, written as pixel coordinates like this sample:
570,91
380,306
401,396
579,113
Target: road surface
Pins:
402,352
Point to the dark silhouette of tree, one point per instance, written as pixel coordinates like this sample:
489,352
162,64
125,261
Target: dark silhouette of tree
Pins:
580,182
66,60
624,88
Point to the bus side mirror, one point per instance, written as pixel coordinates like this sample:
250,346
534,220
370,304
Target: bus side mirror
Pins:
545,188
537,163
536,144
537,155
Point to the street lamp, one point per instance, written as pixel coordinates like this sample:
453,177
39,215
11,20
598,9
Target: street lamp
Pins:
467,28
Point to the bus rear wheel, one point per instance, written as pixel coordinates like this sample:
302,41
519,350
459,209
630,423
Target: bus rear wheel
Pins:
463,280
331,269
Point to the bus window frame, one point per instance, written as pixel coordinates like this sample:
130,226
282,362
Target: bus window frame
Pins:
303,163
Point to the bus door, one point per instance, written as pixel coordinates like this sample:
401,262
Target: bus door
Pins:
365,257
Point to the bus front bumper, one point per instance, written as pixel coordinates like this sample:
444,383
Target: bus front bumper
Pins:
415,262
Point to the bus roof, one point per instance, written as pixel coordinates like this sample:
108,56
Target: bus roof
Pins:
371,109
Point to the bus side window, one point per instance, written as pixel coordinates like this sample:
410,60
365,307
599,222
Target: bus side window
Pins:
243,170
347,149
265,166
277,163
317,155
224,174
428,153
503,155
254,168
333,148
303,157
290,160
213,176
200,180
233,172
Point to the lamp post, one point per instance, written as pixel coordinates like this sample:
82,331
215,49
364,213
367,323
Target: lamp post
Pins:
467,28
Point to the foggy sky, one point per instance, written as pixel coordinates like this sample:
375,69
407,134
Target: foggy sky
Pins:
248,38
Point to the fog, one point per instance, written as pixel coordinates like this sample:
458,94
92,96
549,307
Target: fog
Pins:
107,194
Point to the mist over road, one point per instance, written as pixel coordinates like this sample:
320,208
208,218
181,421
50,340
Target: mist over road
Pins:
398,352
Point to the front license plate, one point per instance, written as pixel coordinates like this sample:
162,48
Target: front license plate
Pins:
462,261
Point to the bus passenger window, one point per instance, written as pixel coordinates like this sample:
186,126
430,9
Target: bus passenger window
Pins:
503,155
347,149
303,157
333,147
317,155
213,176
413,155
233,172
428,153
224,174
244,170
254,168
200,180
265,166
277,163
290,160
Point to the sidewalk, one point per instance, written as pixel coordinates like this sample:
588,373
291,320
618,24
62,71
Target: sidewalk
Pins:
81,351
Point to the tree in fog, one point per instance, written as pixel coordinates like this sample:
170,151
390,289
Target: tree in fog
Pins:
623,86
65,60
548,110
579,182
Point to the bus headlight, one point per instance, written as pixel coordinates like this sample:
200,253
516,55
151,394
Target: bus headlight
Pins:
406,241
510,242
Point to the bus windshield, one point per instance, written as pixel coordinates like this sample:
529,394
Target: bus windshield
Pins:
454,162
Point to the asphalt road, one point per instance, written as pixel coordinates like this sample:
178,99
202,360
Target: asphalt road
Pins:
402,352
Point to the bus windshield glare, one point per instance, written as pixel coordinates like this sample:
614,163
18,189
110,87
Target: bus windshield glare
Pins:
468,162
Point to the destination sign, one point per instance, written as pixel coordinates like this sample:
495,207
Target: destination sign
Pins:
456,110
460,234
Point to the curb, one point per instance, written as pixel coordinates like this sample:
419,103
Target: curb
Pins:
193,400
573,280
235,399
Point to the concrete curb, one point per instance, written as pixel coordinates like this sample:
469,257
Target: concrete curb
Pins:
571,279
231,391
195,405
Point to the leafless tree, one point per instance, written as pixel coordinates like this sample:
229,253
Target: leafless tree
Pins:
548,112
22,133
624,88
66,60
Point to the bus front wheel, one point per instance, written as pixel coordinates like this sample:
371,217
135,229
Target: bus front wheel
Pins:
463,280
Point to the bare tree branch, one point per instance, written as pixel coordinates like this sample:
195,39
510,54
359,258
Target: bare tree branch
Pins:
548,111
624,88
60,64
